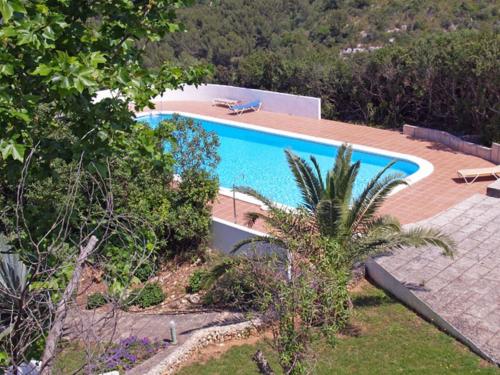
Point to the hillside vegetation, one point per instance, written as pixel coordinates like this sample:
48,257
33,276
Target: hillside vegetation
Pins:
438,66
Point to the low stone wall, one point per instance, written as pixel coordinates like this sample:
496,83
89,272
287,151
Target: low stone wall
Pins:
201,339
492,154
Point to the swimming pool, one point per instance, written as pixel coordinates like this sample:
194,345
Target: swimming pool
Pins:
253,156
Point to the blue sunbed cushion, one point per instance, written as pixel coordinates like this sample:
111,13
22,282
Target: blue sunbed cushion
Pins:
239,107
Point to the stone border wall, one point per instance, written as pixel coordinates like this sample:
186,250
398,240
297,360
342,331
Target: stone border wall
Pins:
492,154
200,339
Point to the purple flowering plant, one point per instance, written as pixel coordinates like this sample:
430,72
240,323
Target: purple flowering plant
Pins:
129,352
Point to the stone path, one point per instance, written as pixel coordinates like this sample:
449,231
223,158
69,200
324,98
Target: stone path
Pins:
98,326
465,290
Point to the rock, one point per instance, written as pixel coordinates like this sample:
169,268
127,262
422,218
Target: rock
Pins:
194,298
174,305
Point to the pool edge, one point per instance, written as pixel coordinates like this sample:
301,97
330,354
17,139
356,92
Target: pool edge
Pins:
425,167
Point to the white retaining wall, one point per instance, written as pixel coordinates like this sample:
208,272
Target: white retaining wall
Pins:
492,154
226,234
297,105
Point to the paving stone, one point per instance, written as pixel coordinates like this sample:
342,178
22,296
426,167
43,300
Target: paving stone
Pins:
492,227
494,274
475,332
468,244
482,308
477,271
482,235
494,342
479,254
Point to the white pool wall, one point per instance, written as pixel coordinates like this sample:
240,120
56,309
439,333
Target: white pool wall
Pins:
296,105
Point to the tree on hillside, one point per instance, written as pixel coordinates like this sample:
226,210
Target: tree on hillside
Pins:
54,58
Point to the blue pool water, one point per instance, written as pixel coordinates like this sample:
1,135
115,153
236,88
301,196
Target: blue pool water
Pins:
256,159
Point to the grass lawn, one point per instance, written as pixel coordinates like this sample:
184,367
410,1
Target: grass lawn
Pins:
392,340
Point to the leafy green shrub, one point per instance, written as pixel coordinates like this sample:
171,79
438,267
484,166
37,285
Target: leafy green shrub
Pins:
238,284
150,295
96,300
194,151
144,272
197,281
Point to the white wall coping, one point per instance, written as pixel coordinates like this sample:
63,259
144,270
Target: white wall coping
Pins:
425,167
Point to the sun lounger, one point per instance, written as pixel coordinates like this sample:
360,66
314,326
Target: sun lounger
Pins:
475,173
225,102
251,106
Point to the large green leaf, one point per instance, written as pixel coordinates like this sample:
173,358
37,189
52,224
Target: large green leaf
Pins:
12,149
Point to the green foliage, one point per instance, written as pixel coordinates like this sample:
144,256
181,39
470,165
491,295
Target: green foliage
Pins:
56,56
318,245
190,218
96,300
4,359
238,284
145,271
149,295
381,327
196,281
438,67
85,164
195,153
36,348
350,228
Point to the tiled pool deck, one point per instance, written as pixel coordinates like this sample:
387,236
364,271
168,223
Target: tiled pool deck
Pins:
424,199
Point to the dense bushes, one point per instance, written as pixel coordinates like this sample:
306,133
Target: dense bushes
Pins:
144,272
150,295
238,284
445,81
96,300
153,216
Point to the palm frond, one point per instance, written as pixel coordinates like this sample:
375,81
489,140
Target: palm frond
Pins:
389,237
307,182
252,217
341,178
328,213
319,176
255,194
420,236
368,203
255,240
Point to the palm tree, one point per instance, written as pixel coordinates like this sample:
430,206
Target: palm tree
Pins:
351,222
